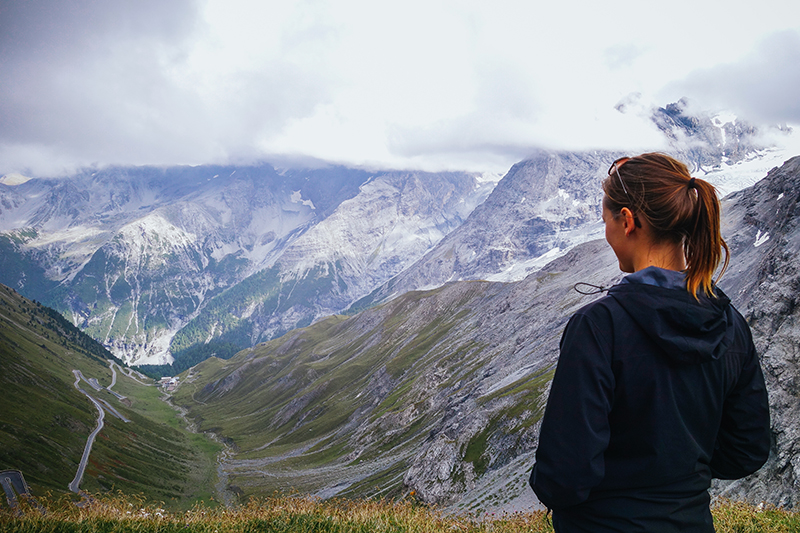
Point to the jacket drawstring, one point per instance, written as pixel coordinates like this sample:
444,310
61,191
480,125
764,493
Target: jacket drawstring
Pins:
593,289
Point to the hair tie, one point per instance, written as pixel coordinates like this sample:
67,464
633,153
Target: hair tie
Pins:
691,183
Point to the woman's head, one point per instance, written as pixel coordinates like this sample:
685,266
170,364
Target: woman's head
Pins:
675,207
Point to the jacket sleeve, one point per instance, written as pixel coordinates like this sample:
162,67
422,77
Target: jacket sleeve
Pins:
743,440
575,429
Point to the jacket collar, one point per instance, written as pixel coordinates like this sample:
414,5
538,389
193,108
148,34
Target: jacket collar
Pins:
658,277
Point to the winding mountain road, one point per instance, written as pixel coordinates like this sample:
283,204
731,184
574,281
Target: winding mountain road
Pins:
113,375
74,485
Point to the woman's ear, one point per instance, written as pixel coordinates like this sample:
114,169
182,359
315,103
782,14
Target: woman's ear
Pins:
628,220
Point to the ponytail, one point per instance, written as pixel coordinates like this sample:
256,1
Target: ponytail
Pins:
677,207
704,245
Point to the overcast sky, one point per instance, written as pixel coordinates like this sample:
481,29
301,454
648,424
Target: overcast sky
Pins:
425,84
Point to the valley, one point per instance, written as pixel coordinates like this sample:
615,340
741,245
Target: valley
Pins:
343,332
440,391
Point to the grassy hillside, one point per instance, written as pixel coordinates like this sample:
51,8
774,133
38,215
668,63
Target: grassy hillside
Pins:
298,394
45,420
429,392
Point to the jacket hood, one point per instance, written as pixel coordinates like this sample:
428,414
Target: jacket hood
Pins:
689,331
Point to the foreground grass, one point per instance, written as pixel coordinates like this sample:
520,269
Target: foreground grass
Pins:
303,514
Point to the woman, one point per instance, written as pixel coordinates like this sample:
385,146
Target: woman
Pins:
658,387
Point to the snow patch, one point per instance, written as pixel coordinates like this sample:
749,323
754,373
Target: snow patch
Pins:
724,118
297,198
731,178
563,243
489,177
761,239
71,235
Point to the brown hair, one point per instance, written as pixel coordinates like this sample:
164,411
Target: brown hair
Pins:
677,207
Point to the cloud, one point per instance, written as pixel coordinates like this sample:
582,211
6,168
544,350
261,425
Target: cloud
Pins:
42,30
421,83
763,86
77,74
504,106
623,55
143,82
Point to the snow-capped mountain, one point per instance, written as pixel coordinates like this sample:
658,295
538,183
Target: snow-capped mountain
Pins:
550,202
189,262
544,205
133,255
394,219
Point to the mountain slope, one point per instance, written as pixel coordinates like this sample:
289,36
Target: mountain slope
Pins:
542,205
395,219
45,420
441,391
452,376
137,250
177,264
132,255
764,282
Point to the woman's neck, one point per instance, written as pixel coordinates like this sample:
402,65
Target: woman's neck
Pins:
669,256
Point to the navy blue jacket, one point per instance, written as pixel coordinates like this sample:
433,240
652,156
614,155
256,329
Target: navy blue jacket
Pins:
654,394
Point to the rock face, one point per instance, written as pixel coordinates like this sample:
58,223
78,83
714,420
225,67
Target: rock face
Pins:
395,218
544,205
135,255
137,251
764,283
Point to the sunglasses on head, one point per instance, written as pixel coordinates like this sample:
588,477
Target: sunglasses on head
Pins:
615,168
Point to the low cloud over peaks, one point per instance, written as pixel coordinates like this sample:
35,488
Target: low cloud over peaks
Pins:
764,86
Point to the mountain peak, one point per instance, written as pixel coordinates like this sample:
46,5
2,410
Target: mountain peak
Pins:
13,179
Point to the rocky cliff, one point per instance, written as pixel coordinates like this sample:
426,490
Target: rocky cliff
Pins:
541,208
763,225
